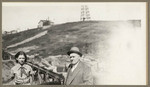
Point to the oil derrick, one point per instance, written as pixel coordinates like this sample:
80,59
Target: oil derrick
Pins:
85,14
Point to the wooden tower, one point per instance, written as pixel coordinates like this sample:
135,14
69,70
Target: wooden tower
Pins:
85,14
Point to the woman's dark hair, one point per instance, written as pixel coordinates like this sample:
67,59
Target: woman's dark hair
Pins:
20,53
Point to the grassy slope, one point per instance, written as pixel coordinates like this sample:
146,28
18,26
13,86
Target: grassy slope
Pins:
18,37
59,40
88,36
61,37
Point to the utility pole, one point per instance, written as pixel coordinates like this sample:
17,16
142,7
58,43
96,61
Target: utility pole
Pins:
85,13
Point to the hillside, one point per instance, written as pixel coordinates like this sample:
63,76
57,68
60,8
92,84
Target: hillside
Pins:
20,36
59,39
92,37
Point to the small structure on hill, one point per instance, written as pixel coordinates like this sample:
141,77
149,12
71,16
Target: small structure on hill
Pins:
6,32
10,32
45,24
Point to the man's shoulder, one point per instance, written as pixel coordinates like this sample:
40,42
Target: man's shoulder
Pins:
83,64
85,68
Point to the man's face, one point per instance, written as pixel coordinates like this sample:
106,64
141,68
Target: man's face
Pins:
74,58
21,59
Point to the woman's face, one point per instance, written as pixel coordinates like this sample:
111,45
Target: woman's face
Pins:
21,59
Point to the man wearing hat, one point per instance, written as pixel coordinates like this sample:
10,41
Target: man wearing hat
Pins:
78,73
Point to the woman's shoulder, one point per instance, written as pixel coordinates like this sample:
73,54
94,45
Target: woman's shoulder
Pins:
26,65
16,65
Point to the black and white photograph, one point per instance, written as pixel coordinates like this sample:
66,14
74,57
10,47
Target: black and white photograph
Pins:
74,43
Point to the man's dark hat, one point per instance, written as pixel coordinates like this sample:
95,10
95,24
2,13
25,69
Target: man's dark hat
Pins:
74,50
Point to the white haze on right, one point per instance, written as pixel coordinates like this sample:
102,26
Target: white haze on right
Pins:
125,63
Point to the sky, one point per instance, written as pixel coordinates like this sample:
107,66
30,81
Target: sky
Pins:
22,16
